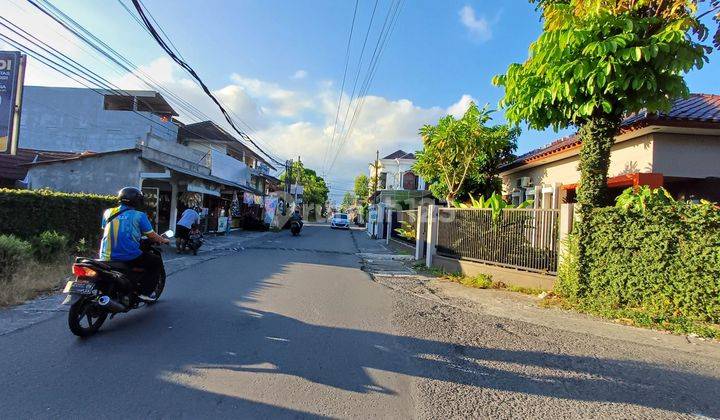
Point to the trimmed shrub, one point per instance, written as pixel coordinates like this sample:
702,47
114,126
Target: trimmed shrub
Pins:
13,252
27,214
49,246
664,262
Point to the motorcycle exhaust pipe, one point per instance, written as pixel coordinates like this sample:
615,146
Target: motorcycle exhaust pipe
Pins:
110,305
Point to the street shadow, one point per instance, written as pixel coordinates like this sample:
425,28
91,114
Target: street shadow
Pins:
206,327
341,357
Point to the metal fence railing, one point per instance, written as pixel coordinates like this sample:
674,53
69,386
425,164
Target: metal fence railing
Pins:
404,226
517,238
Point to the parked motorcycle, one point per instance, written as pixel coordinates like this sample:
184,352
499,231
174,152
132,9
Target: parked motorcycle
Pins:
103,288
295,227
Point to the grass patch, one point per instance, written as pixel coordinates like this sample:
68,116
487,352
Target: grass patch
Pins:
32,279
638,317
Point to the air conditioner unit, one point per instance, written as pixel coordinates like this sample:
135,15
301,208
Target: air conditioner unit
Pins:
525,181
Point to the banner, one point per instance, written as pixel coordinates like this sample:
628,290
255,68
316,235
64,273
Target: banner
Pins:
248,199
270,207
10,73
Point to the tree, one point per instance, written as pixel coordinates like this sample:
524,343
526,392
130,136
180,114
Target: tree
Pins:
459,153
362,185
596,61
347,202
315,191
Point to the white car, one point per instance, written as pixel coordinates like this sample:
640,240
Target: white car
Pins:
340,221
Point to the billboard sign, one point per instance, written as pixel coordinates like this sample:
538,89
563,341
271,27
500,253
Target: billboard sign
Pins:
11,68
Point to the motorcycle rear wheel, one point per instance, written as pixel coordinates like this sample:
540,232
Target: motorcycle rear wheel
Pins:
84,318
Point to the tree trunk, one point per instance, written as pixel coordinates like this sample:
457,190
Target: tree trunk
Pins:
598,137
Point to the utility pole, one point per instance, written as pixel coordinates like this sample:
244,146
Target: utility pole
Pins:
377,185
297,181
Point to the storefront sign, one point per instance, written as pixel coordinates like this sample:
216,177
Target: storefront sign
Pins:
222,224
202,187
11,76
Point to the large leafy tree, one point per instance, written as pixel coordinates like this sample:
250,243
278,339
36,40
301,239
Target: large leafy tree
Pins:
347,201
315,191
595,62
462,156
362,188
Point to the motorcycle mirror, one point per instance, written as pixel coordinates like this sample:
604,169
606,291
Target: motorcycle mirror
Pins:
169,234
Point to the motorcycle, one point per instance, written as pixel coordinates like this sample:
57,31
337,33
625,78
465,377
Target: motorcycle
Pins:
193,243
106,288
295,227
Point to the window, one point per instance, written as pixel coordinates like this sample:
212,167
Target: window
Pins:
119,103
382,182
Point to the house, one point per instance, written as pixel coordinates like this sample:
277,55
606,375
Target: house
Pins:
13,168
678,150
80,119
207,136
397,184
112,141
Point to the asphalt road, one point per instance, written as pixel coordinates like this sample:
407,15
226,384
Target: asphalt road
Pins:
264,332
291,327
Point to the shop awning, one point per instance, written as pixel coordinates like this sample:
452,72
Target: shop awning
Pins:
203,176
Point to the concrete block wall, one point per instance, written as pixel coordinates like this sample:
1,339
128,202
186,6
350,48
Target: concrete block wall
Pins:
74,120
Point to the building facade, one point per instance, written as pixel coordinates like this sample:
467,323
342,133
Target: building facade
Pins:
678,150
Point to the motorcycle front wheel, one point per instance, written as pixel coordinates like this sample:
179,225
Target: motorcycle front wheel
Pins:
85,318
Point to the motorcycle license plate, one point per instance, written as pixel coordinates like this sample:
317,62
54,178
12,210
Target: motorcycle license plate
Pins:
79,287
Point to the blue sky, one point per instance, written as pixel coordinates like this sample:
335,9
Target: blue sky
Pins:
279,65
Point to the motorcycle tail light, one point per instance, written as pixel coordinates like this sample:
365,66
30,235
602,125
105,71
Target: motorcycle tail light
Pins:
82,271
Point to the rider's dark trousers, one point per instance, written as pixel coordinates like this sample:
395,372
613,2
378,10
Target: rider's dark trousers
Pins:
152,264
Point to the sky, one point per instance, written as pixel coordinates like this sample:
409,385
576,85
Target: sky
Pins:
278,65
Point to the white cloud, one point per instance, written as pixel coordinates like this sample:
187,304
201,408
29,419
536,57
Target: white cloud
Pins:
458,108
300,74
479,27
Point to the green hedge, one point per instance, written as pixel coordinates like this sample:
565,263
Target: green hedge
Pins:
27,214
665,261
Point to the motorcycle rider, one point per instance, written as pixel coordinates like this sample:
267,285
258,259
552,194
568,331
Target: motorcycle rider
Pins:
189,218
296,217
123,226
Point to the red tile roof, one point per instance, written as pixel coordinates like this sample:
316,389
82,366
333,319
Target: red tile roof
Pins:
13,167
697,108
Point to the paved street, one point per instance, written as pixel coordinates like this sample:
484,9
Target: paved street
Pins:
291,327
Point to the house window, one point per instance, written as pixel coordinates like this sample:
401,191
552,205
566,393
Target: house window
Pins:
382,182
410,181
119,103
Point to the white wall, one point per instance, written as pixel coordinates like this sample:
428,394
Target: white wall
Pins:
686,155
73,119
228,168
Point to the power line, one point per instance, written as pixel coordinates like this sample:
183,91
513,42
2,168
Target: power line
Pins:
383,37
113,56
194,75
342,88
357,74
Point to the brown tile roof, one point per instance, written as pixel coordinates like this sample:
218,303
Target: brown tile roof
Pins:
698,108
14,167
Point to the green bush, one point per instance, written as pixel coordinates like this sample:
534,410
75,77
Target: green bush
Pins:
13,252
49,246
27,214
664,262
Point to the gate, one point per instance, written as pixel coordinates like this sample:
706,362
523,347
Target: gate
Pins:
526,239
